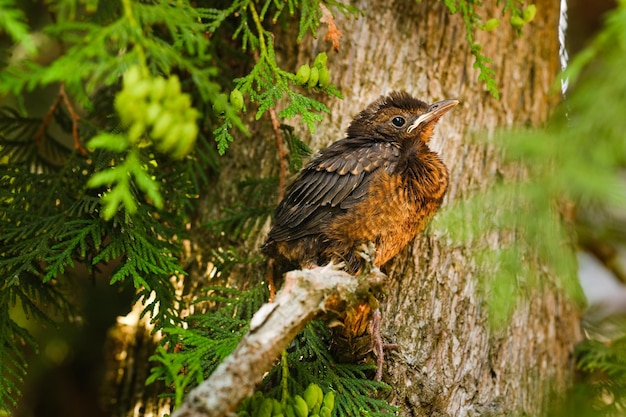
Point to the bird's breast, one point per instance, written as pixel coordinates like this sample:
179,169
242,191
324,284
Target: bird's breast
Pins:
395,209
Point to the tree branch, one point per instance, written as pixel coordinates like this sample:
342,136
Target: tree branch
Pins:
305,294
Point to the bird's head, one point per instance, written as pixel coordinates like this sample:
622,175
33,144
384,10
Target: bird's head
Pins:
399,117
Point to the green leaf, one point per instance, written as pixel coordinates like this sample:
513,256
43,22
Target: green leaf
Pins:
13,22
113,142
148,185
106,177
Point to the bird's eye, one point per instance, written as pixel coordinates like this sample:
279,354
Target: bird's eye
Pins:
398,121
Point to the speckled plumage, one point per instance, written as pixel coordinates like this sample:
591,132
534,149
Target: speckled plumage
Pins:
380,184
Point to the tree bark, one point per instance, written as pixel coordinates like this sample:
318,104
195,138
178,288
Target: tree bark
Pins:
451,363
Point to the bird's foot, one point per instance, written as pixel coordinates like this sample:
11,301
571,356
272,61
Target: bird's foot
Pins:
367,252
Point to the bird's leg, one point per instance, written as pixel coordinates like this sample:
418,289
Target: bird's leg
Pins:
378,346
270,279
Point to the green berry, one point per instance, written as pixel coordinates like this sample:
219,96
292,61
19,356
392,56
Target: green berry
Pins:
236,99
530,12
159,89
303,74
162,125
300,407
265,410
187,139
289,411
219,105
132,76
188,133
135,131
153,112
324,77
123,106
329,400
140,89
190,114
517,22
320,60
313,78
178,103
277,408
491,24
310,395
170,140
173,86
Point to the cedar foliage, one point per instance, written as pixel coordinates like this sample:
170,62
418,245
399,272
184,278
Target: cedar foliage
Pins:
56,218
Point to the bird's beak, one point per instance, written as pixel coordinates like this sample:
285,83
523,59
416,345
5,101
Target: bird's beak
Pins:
434,112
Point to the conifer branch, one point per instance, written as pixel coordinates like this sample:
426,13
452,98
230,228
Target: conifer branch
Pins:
305,294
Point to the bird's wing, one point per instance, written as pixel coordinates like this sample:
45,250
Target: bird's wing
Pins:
332,182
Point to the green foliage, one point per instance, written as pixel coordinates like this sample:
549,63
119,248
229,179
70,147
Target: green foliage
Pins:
298,150
12,339
51,228
592,137
310,362
13,22
61,209
604,369
526,231
255,204
192,355
256,196
267,83
310,402
473,21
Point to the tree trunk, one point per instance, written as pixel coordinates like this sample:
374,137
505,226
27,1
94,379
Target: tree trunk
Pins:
450,362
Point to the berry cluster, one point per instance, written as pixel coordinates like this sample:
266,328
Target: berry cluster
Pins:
315,76
312,403
157,106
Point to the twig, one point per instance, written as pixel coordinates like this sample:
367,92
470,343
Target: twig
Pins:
61,96
303,296
75,118
47,118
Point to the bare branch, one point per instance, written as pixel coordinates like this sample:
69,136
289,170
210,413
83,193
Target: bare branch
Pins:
303,296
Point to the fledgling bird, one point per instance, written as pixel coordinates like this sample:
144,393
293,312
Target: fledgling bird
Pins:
380,184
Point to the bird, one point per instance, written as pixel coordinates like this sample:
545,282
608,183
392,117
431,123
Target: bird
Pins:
379,186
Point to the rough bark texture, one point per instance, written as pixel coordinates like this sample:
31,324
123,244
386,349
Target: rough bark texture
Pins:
450,362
